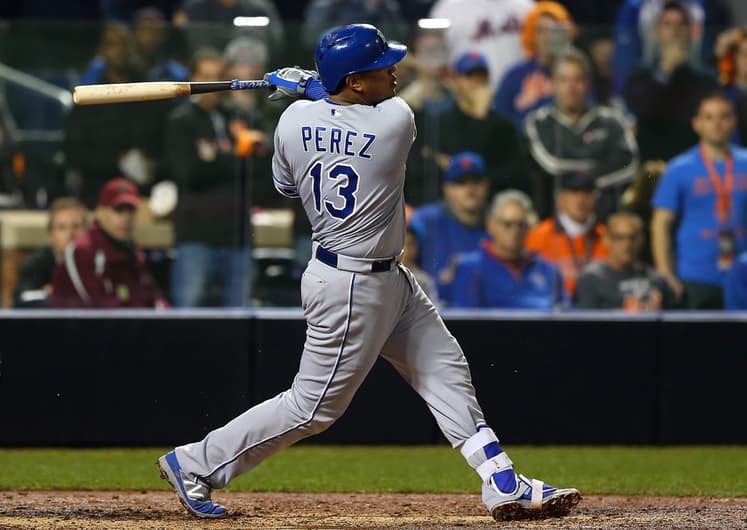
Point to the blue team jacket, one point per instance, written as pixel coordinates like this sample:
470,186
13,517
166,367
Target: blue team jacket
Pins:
483,280
441,240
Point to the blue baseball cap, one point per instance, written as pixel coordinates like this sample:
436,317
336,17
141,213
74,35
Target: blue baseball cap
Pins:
577,181
465,164
470,61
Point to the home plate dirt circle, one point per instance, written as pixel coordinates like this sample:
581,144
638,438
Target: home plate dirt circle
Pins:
160,509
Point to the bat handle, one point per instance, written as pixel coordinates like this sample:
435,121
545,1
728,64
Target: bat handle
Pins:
248,85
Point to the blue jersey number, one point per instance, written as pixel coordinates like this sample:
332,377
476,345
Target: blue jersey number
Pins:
345,191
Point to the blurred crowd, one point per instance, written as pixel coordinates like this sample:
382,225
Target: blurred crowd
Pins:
571,154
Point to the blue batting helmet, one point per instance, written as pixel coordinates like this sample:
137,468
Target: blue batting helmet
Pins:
353,48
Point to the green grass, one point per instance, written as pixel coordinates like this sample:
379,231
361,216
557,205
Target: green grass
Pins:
717,471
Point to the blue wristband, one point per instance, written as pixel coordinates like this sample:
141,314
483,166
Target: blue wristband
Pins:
314,90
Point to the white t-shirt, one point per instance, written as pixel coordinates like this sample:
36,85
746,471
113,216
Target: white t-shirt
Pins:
488,26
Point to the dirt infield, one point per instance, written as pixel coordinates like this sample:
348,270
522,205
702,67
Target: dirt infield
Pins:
380,511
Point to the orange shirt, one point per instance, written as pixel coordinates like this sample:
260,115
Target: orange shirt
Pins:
568,254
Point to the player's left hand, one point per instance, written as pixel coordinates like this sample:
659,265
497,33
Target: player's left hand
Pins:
293,82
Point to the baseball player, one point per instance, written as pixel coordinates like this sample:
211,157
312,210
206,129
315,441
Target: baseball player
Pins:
344,156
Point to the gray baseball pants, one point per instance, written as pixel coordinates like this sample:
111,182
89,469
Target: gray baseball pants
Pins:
352,318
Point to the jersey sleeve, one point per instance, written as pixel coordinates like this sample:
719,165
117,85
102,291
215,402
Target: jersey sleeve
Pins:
621,164
668,194
282,176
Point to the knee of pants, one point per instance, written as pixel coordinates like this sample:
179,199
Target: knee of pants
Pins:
315,418
316,425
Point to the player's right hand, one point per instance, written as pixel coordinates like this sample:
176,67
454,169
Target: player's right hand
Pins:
293,82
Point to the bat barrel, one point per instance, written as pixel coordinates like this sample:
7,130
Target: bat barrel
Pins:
124,92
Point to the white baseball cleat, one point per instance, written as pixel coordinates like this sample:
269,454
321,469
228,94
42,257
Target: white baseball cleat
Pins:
529,499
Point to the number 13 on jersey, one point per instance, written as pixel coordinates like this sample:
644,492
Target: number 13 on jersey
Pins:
345,190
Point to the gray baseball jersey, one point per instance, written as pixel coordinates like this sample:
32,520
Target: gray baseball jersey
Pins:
347,163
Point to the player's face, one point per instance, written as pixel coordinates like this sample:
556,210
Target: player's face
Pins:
117,221
570,85
715,121
467,196
576,204
624,239
378,85
66,225
508,228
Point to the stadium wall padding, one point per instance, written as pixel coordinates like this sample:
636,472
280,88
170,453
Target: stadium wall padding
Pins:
138,380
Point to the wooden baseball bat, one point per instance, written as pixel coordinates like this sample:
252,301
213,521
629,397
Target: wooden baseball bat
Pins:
125,92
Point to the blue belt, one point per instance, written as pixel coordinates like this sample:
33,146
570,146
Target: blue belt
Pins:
333,260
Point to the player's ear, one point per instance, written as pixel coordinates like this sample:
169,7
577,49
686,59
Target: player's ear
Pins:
354,83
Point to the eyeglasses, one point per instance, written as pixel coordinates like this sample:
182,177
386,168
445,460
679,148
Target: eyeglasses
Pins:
624,237
509,224
122,208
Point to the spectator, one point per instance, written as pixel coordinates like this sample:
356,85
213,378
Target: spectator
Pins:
595,21
622,281
467,125
67,220
430,62
206,22
547,32
457,225
502,273
249,114
601,52
128,10
703,192
246,58
572,238
735,286
201,156
321,15
489,27
664,94
571,135
104,267
149,34
637,199
637,26
123,139
731,50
